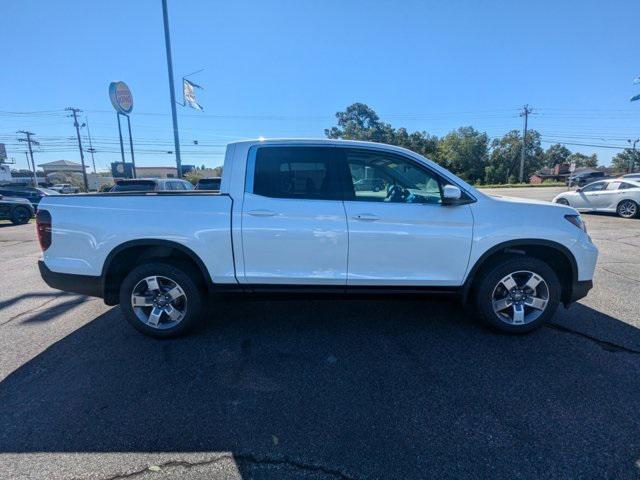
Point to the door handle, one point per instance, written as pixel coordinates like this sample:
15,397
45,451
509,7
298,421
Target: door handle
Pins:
261,213
366,217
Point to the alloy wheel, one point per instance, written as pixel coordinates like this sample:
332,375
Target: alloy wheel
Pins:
159,302
520,297
627,209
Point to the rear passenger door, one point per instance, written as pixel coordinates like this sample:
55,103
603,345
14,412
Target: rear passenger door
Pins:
294,228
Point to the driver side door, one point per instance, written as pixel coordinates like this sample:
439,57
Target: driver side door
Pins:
402,234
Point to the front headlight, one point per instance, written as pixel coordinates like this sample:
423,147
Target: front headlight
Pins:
577,221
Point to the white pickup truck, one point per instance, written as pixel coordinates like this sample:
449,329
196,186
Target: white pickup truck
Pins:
317,216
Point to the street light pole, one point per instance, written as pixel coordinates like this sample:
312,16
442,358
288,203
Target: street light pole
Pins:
172,93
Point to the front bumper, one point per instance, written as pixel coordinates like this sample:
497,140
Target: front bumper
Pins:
68,282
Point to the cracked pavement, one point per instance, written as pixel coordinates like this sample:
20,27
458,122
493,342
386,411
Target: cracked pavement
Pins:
320,389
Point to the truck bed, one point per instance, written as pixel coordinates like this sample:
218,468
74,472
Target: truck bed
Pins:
86,228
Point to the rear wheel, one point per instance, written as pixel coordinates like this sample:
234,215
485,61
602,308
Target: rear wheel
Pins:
518,294
161,299
20,215
627,209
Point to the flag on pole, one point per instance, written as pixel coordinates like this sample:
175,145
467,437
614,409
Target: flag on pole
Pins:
189,95
634,98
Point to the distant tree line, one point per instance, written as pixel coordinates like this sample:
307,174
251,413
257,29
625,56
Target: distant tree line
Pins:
467,152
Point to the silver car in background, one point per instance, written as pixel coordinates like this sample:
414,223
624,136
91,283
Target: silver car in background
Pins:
617,195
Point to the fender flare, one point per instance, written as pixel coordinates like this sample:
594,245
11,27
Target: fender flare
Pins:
514,244
152,242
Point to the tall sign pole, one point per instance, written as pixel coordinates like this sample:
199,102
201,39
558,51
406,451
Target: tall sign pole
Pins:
133,160
124,165
122,102
172,92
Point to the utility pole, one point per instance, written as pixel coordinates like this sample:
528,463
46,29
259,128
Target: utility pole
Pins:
35,178
523,155
172,92
74,114
91,150
633,156
30,141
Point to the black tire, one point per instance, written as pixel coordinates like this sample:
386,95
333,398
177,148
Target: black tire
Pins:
563,201
20,215
491,278
628,209
180,275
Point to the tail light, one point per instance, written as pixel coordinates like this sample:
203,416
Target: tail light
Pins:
43,227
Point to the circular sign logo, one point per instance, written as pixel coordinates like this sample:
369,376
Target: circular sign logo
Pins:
121,97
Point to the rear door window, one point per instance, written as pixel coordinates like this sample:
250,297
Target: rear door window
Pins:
297,173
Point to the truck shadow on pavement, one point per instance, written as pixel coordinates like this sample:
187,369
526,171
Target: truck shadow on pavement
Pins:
354,389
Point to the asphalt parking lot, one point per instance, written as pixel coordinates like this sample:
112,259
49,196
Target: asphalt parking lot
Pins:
321,389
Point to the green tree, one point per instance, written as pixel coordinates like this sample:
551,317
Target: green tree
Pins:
361,122
504,166
625,159
556,155
465,152
582,160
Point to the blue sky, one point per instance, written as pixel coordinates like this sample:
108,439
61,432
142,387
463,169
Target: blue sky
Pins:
283,68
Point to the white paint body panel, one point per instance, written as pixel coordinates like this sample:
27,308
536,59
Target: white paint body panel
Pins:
408,244
86,228
294,241
310,242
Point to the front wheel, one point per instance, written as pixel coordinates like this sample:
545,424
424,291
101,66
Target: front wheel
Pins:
563,201
627,209
518,294
161,299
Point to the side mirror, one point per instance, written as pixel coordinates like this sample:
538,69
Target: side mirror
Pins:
451,195
578,190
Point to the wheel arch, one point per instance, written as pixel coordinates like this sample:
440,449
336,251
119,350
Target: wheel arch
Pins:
114,268
556,255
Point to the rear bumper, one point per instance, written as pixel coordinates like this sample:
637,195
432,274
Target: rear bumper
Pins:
580,290
82,284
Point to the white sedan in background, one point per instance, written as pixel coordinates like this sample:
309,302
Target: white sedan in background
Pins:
619,195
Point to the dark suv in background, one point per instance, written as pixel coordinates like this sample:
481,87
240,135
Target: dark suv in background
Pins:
584,178
18,210
33,194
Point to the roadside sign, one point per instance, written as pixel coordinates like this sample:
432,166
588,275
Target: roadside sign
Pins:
121,97
572,167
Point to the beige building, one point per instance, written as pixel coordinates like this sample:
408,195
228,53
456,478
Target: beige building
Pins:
61,166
